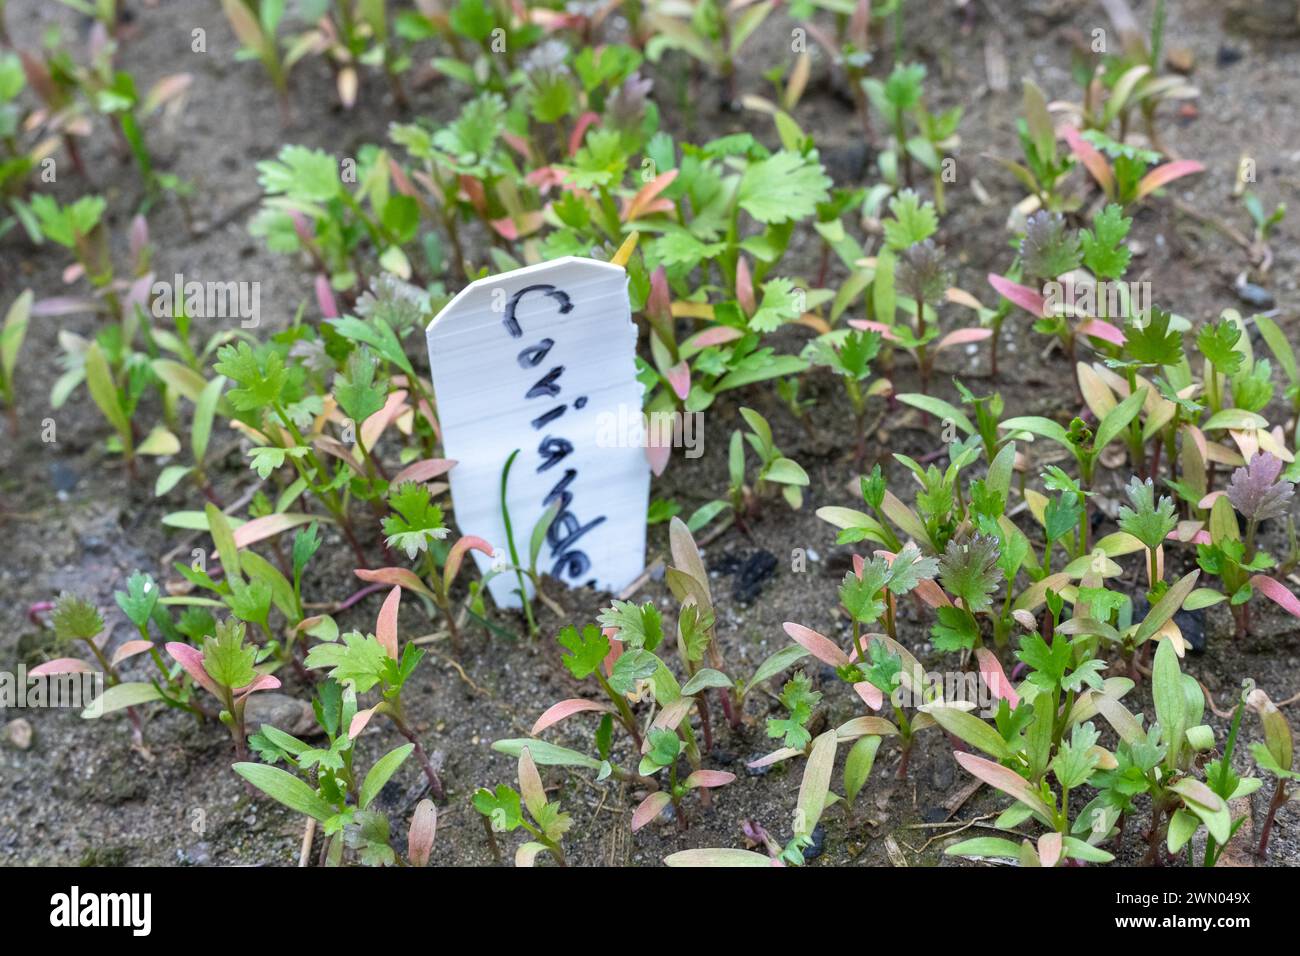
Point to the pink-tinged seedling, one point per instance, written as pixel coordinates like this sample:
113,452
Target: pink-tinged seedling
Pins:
363,662
503,812
324,784
224,668
1276,756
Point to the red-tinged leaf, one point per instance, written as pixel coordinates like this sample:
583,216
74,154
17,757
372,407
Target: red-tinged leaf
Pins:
709,778
962,337
394,408
580,132
191,658
867,325
859,562
745,287
1008,781
530,784
360,720
565,709
670,717
130,649
615,649
528,223
421,833
1092,161
1196,537
400,181
268,526
138,237
262,682
546,178
931,594
657,456
1163,175
1049,849
457,553
871,695
329,308
61,665
1021,295
398,576
1101,329
386,625
679,377
644,200
425,470
659,304
63,305
517,143
431,418
165,90
776,756
996,678
650,807
864,726
820,646
718,335
1277,592
505,228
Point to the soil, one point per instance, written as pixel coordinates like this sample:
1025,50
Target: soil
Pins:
70,519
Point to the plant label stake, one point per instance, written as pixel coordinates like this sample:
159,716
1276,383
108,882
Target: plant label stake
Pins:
542,359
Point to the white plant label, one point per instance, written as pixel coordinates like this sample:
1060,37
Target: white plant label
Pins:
542,360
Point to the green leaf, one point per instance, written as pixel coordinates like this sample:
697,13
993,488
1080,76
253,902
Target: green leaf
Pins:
418,520
1170,700
227,659
308,175
359,660
286,788
260,383
913,221
99,381
588,650
121,696
1166,607
782,660
1218,342
545,754
138,600
356,390
1153,343
985,847
780,304
1036,425
858,764
816,784
944,411
955,631
1118,418
971,729
639,626
784,187
1104,252
704,679
381,772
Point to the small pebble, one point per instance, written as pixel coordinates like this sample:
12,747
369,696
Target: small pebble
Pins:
19,733
818,845
1255,296
1181,60
1228,55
